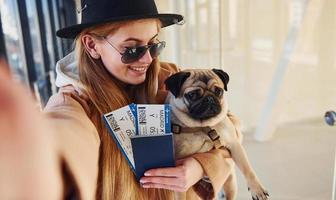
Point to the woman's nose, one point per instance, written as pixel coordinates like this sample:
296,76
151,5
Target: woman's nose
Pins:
147,58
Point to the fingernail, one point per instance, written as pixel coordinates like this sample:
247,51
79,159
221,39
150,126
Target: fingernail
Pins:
142,181
147,174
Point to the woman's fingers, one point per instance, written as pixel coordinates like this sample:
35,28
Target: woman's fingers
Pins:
180,178
170,178
168,171
163,186
19,117
157,180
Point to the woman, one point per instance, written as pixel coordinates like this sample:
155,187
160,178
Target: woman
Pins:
115,63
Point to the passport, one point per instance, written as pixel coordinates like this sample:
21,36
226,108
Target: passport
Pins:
152,152
142,133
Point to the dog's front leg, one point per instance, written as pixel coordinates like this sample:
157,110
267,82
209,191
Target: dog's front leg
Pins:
240,158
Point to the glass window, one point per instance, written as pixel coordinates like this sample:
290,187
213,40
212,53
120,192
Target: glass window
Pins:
34,30
41,85
280,56
198,40
49,33
13,39
50,42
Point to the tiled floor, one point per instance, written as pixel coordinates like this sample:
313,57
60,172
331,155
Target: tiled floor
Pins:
297,164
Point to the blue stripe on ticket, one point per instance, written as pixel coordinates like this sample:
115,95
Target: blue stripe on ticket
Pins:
134,109
167,118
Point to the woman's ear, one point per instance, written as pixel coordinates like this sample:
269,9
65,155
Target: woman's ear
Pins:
90,44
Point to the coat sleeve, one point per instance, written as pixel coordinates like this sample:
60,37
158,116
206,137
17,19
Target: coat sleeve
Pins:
77,140
217,168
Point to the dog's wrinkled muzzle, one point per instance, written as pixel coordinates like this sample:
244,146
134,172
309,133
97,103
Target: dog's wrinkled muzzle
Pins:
205,109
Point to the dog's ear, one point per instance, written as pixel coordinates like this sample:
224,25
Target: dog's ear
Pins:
222,75
175,82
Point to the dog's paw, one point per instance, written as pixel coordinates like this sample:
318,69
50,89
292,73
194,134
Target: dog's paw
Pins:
258,192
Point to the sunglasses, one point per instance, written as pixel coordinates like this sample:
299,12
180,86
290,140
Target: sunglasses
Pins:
135,53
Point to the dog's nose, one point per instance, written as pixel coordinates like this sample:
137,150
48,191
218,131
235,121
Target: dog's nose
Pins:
209,99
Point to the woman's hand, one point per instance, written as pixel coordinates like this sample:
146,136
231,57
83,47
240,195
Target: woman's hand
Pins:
187,172
29,168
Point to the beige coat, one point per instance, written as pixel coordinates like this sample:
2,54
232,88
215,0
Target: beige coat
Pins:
69,114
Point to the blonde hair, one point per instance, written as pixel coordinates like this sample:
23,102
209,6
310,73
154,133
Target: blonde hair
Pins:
115,179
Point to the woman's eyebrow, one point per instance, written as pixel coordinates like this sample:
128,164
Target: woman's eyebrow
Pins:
138,40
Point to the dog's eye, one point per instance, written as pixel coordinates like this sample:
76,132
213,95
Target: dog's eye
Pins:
193,95
218,91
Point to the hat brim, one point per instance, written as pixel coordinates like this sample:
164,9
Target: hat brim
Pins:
71,32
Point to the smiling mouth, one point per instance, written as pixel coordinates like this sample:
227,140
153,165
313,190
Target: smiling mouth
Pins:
138,68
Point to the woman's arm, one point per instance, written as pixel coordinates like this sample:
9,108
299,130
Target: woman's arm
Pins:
28,152
77,138
189,171
41,152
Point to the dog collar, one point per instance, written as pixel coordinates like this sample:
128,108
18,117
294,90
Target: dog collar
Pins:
212,133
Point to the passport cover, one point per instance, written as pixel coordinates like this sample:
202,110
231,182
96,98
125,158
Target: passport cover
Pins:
152,152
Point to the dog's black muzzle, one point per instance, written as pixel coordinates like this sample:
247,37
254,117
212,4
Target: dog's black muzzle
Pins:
205,108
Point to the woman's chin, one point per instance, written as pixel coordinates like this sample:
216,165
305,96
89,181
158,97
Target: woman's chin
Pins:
136,77
136,80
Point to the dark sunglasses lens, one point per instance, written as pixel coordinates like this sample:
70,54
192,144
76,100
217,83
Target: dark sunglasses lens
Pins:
132,55
156,49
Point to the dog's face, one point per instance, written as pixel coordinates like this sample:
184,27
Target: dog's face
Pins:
199,94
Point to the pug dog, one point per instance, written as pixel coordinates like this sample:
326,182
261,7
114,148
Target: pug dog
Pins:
200,123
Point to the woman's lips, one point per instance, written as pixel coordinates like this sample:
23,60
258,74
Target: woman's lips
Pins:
138,69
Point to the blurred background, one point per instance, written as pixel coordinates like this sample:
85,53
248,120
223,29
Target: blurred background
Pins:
280,55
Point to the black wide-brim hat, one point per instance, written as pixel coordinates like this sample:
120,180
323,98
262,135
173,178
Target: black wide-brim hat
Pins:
97,12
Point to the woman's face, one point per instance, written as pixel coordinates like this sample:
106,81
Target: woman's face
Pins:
131,35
